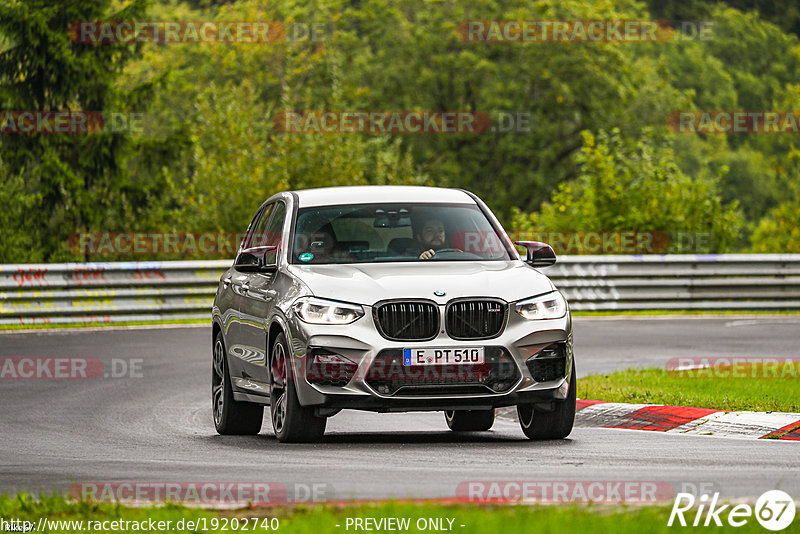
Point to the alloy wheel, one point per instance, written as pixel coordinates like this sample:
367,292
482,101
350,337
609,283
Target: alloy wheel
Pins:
279,383
218,382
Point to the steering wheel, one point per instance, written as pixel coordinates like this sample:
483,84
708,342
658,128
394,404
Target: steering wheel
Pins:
449,250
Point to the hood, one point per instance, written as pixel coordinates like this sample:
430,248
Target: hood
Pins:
371,282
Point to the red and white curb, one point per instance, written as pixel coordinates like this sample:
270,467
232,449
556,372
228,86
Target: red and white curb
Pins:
686,420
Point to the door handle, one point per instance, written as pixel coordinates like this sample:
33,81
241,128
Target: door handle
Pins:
226,281
245,287
263,294
269,294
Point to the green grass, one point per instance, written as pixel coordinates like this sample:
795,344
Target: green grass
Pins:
721,388
45,326
323,519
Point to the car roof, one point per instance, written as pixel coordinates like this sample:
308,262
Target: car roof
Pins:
364,194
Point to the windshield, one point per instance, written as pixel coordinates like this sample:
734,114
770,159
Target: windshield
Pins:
396,232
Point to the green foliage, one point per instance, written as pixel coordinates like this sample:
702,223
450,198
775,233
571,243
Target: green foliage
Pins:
623,186
748,64
784,14
226,98
57,184
408,55
238,163
210,153
779,229
760,58
17,202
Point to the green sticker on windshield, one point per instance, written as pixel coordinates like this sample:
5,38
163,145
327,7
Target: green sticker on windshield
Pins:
306,256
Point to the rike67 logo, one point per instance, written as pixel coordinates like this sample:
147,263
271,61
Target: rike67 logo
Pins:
774,510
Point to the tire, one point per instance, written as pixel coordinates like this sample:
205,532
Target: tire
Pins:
231,417
469,420
291,422
550,425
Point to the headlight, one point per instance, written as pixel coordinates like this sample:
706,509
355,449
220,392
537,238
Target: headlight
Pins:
550,306
320,311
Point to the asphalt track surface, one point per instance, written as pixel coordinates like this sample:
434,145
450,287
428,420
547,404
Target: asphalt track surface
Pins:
157,427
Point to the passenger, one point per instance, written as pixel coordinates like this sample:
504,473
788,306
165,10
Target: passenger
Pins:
431,238
323,247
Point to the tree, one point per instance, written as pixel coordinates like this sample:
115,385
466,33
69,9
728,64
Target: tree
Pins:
211,107
16,205
66,182
784,14
226,98
779,230
624,186
409,55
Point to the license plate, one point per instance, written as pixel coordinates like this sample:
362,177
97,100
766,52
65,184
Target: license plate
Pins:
442,356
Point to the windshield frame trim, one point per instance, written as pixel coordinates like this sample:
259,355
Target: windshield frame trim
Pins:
474,204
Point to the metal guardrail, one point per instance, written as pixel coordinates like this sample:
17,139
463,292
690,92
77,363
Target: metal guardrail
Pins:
145,291
680,282
108,292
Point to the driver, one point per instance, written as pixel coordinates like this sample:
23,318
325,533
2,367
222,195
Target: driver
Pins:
431,238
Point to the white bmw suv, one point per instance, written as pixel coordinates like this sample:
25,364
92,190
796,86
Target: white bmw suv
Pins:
388,298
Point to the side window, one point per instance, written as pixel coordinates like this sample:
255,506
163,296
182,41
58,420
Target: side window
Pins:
261,218
260,231
274,232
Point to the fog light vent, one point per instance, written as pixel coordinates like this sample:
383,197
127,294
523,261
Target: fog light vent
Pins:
549,363
326,368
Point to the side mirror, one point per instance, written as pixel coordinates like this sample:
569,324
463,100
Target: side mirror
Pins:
539,254
257,260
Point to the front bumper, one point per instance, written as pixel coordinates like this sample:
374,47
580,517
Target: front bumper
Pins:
361,343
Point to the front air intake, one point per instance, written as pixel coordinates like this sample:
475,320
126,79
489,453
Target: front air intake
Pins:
549,363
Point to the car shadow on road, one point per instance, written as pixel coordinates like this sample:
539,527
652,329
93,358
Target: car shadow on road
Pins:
411,437
267,439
